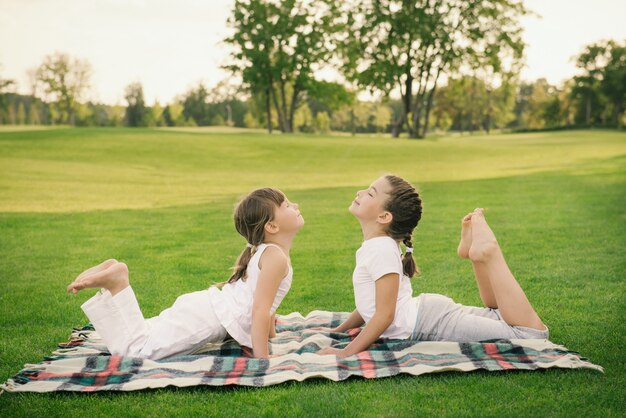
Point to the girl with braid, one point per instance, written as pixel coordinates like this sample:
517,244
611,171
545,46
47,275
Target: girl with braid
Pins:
243,309
388,211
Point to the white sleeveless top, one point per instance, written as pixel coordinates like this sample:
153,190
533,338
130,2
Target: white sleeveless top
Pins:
233,304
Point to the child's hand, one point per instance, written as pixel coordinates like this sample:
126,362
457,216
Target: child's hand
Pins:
330,351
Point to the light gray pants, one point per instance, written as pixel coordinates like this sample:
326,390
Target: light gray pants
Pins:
179,330
439,318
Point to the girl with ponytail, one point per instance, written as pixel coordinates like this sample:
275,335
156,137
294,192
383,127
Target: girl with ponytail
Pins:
243,309
388,211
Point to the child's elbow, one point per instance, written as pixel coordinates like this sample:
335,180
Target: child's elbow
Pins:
388,317
260,312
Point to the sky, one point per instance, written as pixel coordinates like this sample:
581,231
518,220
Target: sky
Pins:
171,45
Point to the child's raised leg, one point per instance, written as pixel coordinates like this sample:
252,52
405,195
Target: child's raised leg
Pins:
485,252
482,279
114,278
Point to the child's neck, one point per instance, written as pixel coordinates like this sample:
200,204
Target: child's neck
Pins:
372,230
283,241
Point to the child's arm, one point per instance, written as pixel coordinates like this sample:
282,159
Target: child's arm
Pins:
386,297
272,326
274,266
353,321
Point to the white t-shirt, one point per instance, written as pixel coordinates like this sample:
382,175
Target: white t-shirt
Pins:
377,257
233,304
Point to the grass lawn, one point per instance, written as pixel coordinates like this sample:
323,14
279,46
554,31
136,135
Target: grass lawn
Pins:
161,201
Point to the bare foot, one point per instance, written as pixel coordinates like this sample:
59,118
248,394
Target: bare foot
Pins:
114,278
466,236
102,266
484,243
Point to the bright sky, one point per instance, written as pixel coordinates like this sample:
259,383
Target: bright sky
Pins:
170,45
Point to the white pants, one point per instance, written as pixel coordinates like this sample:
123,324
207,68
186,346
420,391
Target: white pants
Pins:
439,318
181,329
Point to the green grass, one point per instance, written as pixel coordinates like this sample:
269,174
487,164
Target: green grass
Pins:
162,200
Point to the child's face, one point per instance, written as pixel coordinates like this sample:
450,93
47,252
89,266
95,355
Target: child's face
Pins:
369,203
288,216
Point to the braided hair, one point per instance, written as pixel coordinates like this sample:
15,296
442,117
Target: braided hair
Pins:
405,205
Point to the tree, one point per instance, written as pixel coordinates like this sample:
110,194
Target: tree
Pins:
381,117
5,85
322,122
340,119
277,48
603,79
470,103
136,108
250,121
63,81
329,96
33,114
21,114
195,105
303,119
173,115
115,115
157,114
387,45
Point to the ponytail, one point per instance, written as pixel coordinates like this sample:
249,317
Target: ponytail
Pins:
405,206
408,262
241,266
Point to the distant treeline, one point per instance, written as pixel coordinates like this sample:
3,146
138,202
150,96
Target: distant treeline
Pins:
453,66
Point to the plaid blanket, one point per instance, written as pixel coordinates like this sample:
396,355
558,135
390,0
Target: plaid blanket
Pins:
84,364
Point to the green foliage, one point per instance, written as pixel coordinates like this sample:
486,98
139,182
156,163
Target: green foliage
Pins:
33,115
332,95
322,122
136,111
386,45
277,45
601,88
21,114
195,105
173,115
63,80
217,106
250,121
218,120
303,119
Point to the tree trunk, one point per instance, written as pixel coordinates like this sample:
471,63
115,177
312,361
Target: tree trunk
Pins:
429,104
418,107
288,128
292,106
352,127
588,110
268,110
489,112
397,125
618,115
417,114
281,116
428,107
406,107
